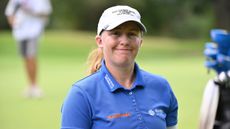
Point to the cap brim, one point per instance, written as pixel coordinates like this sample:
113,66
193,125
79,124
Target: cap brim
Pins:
116,24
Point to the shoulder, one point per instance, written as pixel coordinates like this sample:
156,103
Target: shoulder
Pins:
87,80
156,82
83,88
89,83
150,77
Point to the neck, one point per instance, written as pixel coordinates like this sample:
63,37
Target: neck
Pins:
123,75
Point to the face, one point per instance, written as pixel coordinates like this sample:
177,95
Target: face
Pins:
121,44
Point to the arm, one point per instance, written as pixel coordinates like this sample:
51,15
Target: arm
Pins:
10,20
10,11
172,113
76,111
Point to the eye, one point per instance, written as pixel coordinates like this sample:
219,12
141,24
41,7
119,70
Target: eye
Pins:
131,34
116,33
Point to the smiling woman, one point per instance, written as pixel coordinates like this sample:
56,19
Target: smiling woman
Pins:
118,94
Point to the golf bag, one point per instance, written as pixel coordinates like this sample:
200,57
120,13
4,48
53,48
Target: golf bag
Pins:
215,107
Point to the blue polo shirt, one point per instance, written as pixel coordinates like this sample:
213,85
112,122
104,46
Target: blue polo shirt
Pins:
100,102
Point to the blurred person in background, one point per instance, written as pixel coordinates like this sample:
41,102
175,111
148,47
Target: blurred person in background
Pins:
28,19
118,94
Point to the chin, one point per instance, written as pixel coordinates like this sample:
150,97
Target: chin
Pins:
124,62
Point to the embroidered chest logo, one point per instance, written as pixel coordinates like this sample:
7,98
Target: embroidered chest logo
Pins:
157,112
109,81
118,115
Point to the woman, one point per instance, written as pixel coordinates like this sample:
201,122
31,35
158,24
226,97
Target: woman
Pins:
118,94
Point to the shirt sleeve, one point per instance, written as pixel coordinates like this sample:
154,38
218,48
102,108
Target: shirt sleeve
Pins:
76,111
41,7
172,127
173,110
11,7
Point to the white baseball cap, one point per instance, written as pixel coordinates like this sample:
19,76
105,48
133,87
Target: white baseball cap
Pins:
116,15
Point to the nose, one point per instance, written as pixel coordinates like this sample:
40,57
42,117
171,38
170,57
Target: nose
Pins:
124,39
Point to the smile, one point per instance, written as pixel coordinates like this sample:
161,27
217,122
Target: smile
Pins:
123,49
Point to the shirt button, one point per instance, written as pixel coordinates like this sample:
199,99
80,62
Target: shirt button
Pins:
130,93
139,117
134,100
151,112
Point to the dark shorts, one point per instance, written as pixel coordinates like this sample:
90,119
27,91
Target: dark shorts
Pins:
28,48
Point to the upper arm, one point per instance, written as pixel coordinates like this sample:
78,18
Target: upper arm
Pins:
172,113
76,111
11,8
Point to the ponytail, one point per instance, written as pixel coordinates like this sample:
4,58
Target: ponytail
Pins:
94,60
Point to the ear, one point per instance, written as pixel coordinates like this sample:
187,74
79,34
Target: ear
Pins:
99,41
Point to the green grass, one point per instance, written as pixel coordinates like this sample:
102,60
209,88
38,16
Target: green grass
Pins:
62,58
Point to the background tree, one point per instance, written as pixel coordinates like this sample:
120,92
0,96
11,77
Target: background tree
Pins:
180,18
222,13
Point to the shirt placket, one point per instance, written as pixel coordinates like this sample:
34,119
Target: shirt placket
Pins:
137,112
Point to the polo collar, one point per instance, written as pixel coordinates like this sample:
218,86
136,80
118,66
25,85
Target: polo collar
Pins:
113,85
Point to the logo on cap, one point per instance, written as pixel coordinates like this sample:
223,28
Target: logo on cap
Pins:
124,12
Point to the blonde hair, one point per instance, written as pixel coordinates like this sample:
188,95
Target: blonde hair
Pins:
94,60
